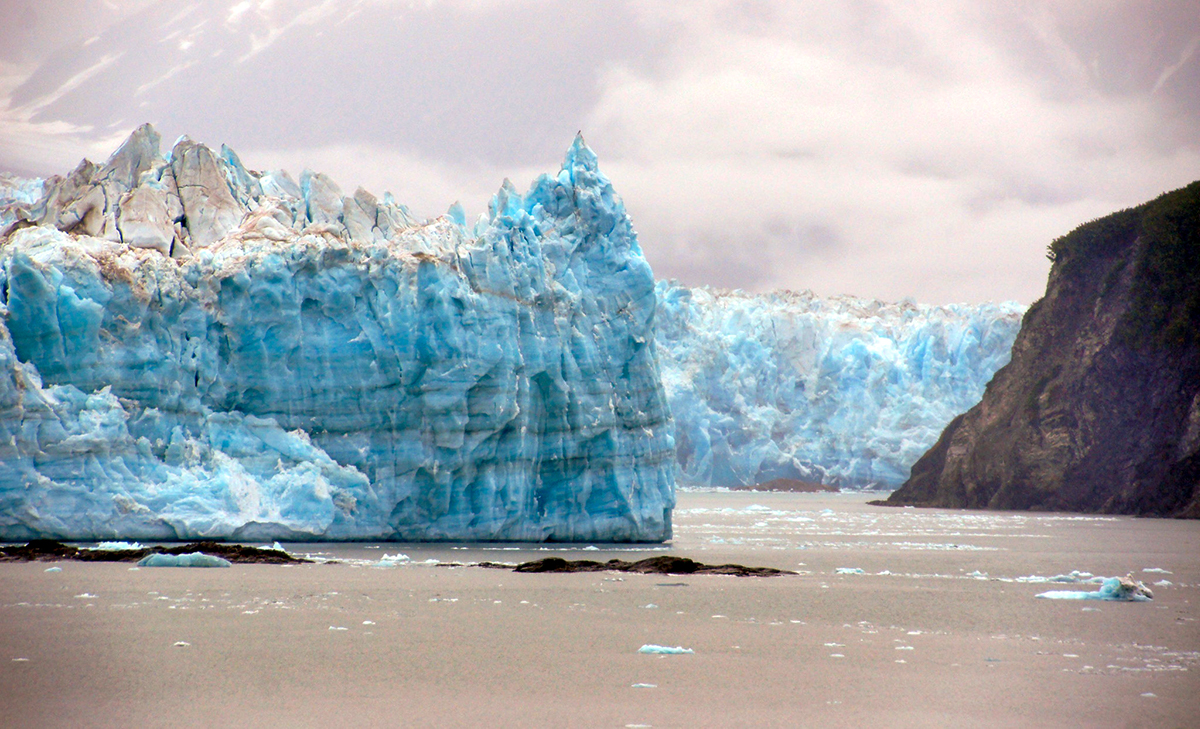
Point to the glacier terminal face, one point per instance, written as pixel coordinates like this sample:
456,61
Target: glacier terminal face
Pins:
842,391
191,349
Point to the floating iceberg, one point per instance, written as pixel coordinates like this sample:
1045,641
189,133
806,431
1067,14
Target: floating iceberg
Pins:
1124,589
191,349
664,650
842,391
195,559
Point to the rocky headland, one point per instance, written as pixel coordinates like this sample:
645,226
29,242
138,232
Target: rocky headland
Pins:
1099,408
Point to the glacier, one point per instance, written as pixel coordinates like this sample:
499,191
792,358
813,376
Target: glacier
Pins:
192,349
843,391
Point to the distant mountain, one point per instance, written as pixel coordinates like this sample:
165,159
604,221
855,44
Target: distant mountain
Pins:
1099,408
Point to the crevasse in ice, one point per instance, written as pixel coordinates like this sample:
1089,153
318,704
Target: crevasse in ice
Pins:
193,349
841,391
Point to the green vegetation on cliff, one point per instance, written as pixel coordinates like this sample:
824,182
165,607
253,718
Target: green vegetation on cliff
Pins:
1166,306
1099,408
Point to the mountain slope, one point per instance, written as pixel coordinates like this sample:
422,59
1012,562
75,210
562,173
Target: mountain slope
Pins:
1099,408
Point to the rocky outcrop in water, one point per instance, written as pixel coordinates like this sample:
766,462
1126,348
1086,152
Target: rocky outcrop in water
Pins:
1099,409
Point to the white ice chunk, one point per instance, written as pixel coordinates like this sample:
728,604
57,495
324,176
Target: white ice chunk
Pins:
117,546
664,650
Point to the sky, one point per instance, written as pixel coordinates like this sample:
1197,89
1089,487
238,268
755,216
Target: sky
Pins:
920,149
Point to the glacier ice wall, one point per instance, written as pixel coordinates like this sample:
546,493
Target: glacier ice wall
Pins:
842,391
193,349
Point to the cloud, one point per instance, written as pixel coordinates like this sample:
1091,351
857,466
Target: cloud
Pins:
924,149
940,168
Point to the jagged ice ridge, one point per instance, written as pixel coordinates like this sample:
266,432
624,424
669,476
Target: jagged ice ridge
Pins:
191,349
842,391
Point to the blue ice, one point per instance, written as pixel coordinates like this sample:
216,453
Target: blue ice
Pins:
195,559
190,349
1113,588
664,650
842,391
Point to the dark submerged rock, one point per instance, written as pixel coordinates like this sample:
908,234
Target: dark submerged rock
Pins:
48,550
665,565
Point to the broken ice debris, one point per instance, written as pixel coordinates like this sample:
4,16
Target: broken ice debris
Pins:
1113,588
195,559
849,571
117,546
664,650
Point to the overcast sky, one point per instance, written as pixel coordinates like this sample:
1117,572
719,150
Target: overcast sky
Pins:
883,149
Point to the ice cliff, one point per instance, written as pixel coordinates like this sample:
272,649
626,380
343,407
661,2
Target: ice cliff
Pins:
842,391
192,349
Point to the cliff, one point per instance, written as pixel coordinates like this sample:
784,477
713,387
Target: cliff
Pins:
190,349
1099,408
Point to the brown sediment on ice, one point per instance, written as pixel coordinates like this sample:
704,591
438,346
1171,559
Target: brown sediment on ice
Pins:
48,550
666,565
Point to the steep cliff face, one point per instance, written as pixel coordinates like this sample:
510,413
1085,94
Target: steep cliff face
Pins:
842,391
1099,408
190,349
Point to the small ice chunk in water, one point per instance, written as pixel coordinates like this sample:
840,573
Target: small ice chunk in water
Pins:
368,622
1157,570
849,571
87,596
1077,577
182,644
644,685
337,627
20,660
117,546
1113,588
649,606
53,569
664,650
195,559
1149,695
591,548
1163,583
978,575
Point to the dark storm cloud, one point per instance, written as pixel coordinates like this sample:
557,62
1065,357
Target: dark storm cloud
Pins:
925,149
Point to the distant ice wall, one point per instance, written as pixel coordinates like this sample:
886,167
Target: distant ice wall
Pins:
192,349
842,391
